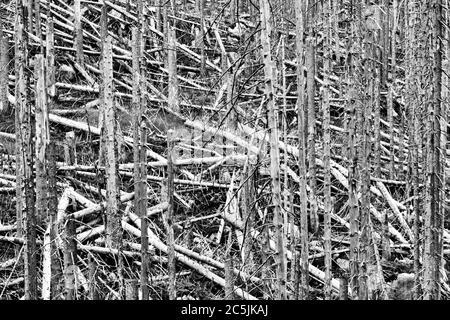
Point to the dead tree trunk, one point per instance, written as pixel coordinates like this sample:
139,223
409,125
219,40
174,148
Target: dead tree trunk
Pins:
50,55
93,291
173,81
139,141
328,203
42,139
69,231
311,145
433,184
229,275
302,264
78,32
169,216
4,60
274,147
113,215
55,267
25,191
412,75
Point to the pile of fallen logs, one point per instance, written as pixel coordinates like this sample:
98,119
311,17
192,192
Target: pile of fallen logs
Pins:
221,175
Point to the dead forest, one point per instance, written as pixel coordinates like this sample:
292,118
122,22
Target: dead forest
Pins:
224,149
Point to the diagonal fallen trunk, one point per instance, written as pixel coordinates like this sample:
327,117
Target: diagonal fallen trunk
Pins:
314,271
154,240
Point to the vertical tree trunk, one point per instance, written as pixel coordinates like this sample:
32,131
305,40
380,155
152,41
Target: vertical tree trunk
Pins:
343,289
69,232
165,31
131,289
364,114
310,84
37,17
139,141
42,139
248,213
113,215
229,275
78,32
376,124
386,247
143,212
385,44
433,184
50,55
55,268
390,111
4,60
274,147
394,135
352,198
113,234
232,121
328,201
101,114
169,216
287,192
233,10
25,191
302,264
173,81
202,39
93,291
412,93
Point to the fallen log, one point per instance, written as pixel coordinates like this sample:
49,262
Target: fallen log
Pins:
154,240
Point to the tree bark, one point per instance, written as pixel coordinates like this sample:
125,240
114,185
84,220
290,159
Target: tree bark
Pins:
173,99
169,216
42,140
274,148
328,201
4,60
25,191
302,263
78,32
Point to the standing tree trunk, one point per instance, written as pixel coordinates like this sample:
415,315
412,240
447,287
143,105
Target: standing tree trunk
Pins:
4,60
93,290
232,119
169,216
50,55
352,197
42,139
302,264
25,191
78,32
229,275
433,183
55,267
55,271
202,39
113,215
385,44
412,93
173,81
328,203
364,114
311,145
69,232
101,114
139,141
113,234
274,147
